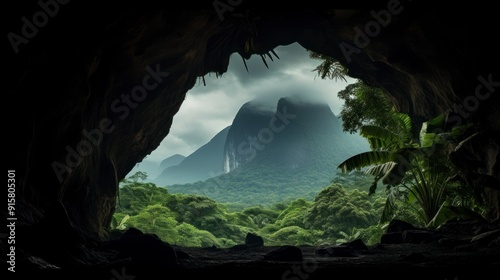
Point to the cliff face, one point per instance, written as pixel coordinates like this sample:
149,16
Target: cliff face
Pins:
296,134
206,162
94,90
242,136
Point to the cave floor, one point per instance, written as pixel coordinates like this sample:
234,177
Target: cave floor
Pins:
388,261
392,261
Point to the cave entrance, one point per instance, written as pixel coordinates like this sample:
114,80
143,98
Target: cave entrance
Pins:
89,61
219,146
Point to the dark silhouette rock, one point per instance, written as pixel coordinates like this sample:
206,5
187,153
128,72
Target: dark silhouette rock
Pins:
181,255
239,247
143,248
356,244
285,253
349,249
399,226
336,251
392,238
253,240
417,236
414,257
484,239
450,242
495,242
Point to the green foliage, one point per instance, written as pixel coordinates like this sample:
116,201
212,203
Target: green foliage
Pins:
136,196
155,219
190,236
387,161
139,175
294,214
250,186
428,189
118,221
365,105
329,67
372,234
198,221
335,210
294,235
417,174
348,237
260,216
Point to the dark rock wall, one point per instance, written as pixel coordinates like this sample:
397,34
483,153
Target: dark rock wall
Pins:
95,91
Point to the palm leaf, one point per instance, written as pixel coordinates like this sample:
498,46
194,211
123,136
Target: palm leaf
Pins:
389,208
365,159
467,213
404,121
122,223
442,215
380,169
389,139
377,144
402,163
373,186
436,124
463,142
428,140
395,175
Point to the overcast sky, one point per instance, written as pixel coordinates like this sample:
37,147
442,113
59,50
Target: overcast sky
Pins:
209,109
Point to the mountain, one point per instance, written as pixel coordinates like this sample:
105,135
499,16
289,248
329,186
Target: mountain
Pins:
150,167
171,161
291,149
242,139
297,135
153,169
204,163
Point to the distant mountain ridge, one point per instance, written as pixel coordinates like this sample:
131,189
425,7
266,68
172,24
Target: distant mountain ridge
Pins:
171,161
204,163
298,135
294,145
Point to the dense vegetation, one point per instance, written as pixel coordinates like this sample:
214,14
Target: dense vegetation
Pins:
422,163
335,214
256,186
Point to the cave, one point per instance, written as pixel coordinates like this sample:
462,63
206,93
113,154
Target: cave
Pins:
93,90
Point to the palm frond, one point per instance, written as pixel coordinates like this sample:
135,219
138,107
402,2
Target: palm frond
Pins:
430,139
403,159
365,159
404,121
395,175
436,124
389,208
381,169
376,143
389,139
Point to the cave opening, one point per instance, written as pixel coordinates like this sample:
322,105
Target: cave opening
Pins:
71,154
293,152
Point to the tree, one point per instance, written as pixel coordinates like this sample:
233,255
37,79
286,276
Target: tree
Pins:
294,235
139,175
391,151
365,105
134,197
329,67
155,219
417,174
335,209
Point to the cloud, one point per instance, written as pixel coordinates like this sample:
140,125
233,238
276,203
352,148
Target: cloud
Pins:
209,109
